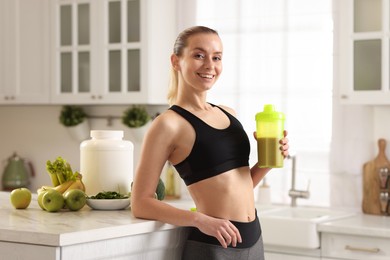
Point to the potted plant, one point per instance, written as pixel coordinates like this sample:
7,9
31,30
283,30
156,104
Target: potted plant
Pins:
138,119
74,119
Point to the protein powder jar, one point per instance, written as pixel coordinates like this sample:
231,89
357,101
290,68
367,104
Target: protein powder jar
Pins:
106,162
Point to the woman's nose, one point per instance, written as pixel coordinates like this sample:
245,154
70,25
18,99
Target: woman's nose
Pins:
208,63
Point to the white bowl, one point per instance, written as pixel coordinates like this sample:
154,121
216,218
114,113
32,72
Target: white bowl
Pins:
108,204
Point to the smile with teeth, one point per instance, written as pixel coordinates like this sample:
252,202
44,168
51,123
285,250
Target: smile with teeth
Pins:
207,76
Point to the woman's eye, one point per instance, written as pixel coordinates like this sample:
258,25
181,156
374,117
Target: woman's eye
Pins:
217,58
199,56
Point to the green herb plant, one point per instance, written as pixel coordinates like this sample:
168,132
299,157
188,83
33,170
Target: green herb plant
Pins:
135,116
72,115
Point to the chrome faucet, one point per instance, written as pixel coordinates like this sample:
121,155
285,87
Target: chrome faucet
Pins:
293,193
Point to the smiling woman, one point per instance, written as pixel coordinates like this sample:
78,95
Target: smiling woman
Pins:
210,149
280,52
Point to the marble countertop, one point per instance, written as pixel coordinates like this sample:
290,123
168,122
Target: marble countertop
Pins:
360,224
35,226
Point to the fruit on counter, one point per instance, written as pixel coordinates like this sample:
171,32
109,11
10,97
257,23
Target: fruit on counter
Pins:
77,184
75,199
39,199
53,200
60,188
62,177
20,198
68,185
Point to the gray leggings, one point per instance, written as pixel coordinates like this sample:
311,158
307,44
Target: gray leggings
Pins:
194,250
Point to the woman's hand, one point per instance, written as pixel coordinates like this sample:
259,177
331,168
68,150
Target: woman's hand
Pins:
284,144
222,229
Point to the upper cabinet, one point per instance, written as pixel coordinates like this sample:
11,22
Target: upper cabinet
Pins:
111,51
24,52
364,35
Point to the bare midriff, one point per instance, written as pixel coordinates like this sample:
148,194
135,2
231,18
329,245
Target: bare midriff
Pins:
227,196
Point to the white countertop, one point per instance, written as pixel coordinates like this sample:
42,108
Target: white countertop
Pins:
35,226
360,224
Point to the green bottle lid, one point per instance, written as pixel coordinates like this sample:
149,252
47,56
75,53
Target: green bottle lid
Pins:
269,114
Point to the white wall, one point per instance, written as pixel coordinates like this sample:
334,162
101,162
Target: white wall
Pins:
355,142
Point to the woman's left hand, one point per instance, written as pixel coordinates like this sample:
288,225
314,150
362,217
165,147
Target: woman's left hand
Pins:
284,144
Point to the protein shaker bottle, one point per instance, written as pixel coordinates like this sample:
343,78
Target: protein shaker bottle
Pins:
269,131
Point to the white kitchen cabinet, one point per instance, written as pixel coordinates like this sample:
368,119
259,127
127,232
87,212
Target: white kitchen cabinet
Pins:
363,50
340,246
111,51
276,256
164,245
24,52
273,252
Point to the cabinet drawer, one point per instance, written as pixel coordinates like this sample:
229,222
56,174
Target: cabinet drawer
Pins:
355,247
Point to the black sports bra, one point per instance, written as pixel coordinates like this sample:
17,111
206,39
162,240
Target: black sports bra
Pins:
215,151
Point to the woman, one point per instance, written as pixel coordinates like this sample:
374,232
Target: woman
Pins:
210,150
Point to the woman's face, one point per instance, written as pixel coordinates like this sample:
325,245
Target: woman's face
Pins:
200,64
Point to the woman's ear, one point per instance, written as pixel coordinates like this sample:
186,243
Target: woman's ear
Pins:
175,62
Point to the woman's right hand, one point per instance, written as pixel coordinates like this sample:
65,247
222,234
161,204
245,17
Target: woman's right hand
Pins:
222,229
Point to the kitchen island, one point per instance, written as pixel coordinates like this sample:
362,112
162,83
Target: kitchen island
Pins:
86,234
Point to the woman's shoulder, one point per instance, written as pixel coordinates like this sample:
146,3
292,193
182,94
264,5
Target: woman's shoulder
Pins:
167,121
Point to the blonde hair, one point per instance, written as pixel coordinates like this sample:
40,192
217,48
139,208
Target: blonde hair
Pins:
180,43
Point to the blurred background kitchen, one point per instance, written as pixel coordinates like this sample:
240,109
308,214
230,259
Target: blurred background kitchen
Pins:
330,78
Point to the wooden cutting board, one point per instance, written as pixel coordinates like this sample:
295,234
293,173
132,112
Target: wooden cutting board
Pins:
371,181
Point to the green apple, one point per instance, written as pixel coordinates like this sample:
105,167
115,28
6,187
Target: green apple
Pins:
40,200
20,198
75,199
53,200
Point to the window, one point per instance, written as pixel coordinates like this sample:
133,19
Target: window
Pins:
280,52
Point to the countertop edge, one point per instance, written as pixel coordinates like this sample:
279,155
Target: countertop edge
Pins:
359,225
77,237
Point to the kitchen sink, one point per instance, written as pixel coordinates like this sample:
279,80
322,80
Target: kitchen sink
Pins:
295,226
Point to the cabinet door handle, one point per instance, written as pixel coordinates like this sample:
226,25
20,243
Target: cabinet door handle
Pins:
9,97
362,249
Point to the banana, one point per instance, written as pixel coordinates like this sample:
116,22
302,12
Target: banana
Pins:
78,184
61,188
64,186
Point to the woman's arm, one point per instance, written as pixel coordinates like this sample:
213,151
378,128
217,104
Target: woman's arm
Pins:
157,146
258,174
